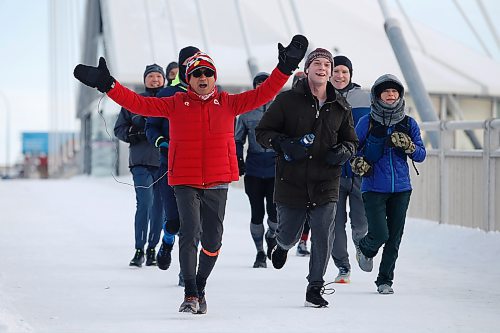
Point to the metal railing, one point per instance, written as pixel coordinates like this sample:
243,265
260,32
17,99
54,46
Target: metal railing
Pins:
460,186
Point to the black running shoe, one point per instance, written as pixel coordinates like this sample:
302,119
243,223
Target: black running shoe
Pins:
271,243
278,257
138,258
260,260
314,297
151,257
164,256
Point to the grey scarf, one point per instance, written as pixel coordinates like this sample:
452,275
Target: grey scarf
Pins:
388,114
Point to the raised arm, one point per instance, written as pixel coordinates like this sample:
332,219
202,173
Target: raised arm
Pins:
288,60
100,78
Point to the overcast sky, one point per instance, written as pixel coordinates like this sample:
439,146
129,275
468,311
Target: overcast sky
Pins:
24,41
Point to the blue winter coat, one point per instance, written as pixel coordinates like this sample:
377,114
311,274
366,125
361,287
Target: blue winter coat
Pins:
391,172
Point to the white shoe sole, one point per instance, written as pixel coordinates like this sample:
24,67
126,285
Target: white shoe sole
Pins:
312,305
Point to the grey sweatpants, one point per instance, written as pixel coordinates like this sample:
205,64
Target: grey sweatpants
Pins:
349,188
201,213
321,220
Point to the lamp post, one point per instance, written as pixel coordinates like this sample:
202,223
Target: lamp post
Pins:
7,133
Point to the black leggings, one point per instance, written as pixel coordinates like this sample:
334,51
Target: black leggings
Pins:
258,190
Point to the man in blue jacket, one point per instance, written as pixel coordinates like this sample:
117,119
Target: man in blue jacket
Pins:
143,163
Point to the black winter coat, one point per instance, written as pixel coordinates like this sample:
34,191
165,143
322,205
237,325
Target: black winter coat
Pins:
312,181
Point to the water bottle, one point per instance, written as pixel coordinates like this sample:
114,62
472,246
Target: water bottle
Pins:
307,140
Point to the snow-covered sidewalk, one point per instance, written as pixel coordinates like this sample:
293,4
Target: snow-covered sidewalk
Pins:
65,247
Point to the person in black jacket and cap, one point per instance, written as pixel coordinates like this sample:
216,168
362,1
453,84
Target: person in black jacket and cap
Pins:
311,129
258,168
143,163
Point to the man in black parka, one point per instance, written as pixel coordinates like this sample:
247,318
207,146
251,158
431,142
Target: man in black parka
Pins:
311,129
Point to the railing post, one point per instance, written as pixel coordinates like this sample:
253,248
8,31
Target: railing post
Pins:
487,193
443,175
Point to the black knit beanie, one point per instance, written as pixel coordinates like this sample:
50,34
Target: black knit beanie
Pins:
259,78
343,60
154,68
184,54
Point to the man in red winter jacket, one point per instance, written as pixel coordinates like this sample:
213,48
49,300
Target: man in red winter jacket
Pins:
202,157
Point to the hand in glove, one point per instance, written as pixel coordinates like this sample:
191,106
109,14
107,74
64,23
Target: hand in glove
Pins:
163,146
360,166
289,57
292,149
338,154
403,141
241,166
135,135
95,77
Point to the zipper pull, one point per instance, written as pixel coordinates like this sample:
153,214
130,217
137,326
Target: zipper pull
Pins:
317,113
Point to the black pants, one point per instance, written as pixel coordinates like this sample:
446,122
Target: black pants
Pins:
258,190
201,213
386,215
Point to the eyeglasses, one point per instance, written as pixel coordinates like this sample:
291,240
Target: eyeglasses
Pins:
203,71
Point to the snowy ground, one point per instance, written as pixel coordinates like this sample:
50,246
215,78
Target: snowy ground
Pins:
65,247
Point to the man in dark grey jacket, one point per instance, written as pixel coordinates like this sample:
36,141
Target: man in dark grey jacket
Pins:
258,168
143,164
311,129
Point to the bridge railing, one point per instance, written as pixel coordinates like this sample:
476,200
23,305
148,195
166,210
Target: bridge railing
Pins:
459,186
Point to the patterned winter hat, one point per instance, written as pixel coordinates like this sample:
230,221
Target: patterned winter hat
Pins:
200,60
318,53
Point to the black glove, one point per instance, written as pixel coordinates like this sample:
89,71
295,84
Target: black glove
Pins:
241,166
338,154
360,166
292,149
403,141
289,57
378,130
136,135
95,77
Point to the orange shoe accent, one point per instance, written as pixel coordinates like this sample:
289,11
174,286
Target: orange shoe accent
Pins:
211,254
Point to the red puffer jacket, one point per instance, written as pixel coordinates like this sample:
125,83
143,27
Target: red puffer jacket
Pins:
202,149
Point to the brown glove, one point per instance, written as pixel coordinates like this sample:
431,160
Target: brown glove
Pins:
360,166
403,141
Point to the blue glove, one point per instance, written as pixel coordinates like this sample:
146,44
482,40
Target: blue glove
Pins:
163,146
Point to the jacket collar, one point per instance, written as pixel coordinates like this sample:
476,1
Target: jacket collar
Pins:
302,87
193,95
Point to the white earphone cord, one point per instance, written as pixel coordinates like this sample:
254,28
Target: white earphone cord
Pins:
116,154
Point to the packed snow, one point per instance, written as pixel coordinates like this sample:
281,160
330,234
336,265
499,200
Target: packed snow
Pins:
66,244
